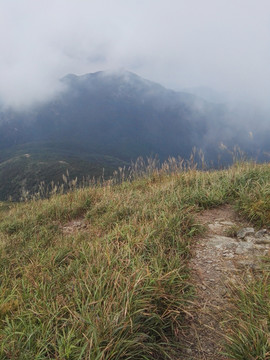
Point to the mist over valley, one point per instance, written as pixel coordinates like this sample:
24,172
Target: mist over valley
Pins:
104,120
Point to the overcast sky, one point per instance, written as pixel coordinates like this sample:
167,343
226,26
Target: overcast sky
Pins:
223,44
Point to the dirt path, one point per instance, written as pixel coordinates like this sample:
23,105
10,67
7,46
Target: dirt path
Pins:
218,258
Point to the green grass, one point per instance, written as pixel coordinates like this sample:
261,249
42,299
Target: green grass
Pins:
31,168
119,288
248,335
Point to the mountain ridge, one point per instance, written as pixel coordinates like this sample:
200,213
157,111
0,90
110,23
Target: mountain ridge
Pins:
123,116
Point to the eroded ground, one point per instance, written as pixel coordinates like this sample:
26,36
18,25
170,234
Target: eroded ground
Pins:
219,258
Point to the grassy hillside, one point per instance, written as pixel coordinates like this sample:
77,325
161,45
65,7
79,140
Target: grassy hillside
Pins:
23,168
102,272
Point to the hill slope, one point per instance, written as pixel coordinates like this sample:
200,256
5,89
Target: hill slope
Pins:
102,272
38,167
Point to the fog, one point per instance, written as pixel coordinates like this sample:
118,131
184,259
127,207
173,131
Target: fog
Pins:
223,45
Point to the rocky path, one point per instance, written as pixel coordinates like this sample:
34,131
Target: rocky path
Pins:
219,258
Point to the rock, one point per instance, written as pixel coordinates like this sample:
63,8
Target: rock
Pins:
228,255
244,232
243,248
261,233
263,240
239,251
228,223
222,243
250,239
259,247
248,264
215,227
77,223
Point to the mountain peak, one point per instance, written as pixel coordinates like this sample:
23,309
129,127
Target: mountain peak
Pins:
120,76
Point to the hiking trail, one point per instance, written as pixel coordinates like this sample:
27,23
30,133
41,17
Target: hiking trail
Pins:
218,259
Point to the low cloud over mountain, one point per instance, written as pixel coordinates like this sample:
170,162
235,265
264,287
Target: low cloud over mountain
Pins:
127,116
181,44
107,119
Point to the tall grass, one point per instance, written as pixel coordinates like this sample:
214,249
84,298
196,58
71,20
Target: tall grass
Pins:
117,288
114,291
248,321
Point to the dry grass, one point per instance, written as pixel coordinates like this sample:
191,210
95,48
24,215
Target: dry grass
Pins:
117,288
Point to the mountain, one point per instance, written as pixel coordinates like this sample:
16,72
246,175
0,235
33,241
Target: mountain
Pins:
119,114
106,119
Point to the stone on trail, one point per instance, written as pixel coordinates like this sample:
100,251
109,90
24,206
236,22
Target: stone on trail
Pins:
243,248
244,232
227,223
263,240
261,233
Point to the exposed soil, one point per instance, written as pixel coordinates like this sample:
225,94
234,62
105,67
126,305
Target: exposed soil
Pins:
217,260
73,226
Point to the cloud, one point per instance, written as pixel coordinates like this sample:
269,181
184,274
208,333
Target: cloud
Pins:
221,44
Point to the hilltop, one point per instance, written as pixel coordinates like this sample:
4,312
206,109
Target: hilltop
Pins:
105,272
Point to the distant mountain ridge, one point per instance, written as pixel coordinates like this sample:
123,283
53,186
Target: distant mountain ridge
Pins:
123,116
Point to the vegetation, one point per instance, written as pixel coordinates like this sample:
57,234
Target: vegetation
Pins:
102,272
26,168
249,318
